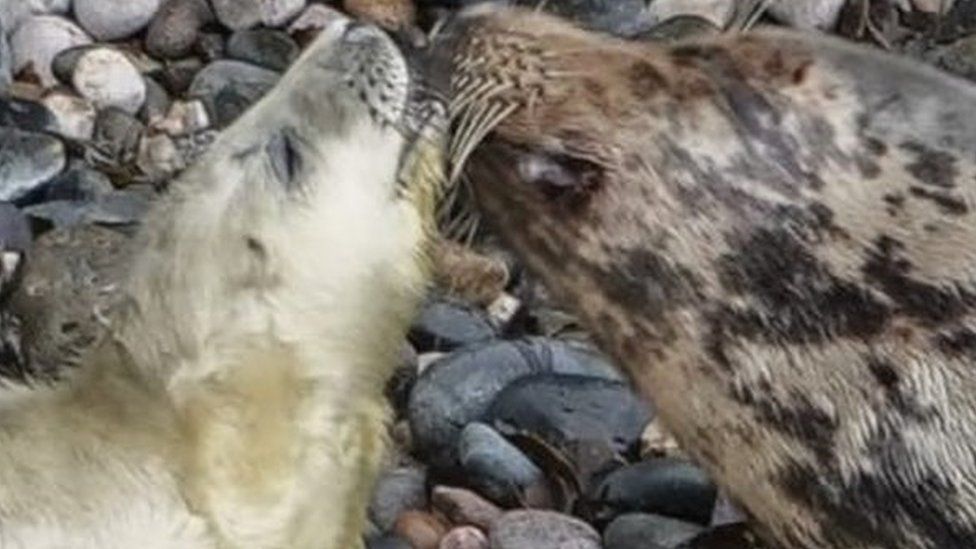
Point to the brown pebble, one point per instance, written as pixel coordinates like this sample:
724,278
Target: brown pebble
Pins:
390,14
422,530
465,537
464,507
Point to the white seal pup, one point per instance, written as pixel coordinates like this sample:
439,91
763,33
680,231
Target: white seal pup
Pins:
237,398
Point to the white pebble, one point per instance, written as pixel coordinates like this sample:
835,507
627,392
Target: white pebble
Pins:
115,19
107,78
807,14
39,39
74,116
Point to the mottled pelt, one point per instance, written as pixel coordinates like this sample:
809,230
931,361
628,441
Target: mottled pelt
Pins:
774,233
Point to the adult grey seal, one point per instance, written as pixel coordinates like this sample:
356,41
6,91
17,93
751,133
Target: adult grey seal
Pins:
773,232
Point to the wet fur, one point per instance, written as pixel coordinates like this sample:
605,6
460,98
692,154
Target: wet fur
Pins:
237,400
774,234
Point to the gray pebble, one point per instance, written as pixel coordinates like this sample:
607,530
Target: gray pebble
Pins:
228,88
495,467
27,160
535,529
646,531
268,48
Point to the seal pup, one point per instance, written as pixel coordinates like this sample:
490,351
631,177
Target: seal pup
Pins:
237,398
773,232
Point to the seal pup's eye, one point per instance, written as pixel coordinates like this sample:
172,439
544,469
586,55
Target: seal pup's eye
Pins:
284,155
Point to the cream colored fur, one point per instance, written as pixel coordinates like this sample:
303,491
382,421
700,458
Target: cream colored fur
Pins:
238,399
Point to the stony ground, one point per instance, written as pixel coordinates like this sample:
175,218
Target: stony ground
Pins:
512,432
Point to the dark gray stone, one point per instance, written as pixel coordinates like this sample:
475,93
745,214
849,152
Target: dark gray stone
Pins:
229,87
495,467
670,487
268,48
535,529
458,389
619,17
157,101
396,491
448,325
572,411
646,531
176,26
117,208
78,182
27,161
25,115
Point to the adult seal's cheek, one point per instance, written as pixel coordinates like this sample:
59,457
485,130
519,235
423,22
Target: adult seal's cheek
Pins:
772,232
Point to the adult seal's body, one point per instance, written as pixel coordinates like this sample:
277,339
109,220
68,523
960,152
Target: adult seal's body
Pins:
237,399
774,233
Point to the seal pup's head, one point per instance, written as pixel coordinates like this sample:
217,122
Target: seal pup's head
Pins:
307,219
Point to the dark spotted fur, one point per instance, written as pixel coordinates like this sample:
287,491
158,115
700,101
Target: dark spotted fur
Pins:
773,233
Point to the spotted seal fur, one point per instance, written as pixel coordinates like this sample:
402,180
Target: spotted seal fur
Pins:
773,232
237,398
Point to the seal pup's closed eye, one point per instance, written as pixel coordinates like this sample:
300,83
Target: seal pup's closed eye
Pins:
773,233
237,400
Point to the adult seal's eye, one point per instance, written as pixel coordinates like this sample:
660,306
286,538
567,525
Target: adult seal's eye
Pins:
285,156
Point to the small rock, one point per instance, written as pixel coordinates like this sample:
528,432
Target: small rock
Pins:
726,511
27,160
15,241
268,48
228,88
542,530
315,18
177,76
716,12
116,140
464,507
6,60
109,20
175,28
117,208
447,325
619,17
679,28
159,158
74,116
737,536
656,441
388,542
459,388
568,411
25,115
157,104
64,63
465,537
39,39
494,466
389,14
77,183
396,491
422,530
646,531
184,118
210,46
107,78
503,309
933,6
807,14
244,14
15,12
670,487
